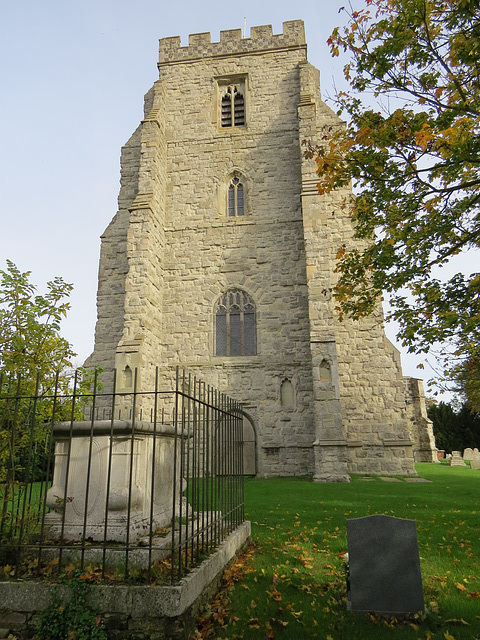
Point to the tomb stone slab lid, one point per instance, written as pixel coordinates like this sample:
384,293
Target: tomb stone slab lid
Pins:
115,427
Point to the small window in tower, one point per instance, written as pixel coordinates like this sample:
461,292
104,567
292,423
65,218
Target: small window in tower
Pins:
232,105
235,199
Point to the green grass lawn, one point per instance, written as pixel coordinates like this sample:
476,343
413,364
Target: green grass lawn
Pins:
22,505
292,584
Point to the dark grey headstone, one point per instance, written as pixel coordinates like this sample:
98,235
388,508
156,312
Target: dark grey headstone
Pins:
384,563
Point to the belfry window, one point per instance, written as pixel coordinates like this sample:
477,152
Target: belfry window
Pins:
235,325
235,199
233,107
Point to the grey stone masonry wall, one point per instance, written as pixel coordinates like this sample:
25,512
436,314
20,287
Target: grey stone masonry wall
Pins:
421,427
173,250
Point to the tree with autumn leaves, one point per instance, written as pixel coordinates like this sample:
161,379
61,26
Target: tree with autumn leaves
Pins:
414,160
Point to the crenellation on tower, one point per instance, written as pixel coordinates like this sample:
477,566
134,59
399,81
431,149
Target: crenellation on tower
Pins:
231,38
262,34
199,40
232,43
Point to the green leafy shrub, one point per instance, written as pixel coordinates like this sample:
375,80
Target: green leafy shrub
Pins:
76,620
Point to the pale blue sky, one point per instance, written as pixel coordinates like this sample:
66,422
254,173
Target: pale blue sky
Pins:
72,79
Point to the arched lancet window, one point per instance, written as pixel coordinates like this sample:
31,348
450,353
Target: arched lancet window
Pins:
127,377
236,205
235,325
233,107
287,396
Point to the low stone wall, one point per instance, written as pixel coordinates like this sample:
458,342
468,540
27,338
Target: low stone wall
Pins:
130,612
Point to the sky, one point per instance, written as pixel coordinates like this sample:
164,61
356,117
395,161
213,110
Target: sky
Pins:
72,80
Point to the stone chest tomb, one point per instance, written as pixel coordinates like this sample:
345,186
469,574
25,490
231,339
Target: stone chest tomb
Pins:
221,258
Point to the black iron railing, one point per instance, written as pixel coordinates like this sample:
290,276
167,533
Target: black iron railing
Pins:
138,485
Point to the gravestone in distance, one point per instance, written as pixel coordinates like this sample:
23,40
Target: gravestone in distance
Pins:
468,453
384,563
475,461
457,460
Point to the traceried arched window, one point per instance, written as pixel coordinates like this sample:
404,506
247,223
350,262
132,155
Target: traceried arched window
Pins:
236,206
235,325
233,107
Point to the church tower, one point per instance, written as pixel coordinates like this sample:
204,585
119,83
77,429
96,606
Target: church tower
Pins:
221,259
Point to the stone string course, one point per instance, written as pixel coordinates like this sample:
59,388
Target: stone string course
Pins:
171,251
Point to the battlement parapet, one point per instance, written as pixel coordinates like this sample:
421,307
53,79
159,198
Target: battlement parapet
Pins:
231,42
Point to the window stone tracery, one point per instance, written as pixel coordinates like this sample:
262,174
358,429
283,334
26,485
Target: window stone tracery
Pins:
232,107
236,201
235,325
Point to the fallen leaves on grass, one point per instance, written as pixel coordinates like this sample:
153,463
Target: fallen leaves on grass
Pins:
218,612
299,586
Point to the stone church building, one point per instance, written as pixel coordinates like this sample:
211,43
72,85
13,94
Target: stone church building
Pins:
221,259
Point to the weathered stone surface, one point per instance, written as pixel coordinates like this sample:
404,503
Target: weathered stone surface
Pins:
172,251
421,427
85,453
